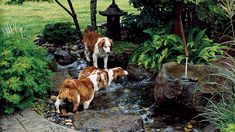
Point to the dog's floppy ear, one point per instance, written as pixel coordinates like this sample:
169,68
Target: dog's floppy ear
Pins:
111,41
101,43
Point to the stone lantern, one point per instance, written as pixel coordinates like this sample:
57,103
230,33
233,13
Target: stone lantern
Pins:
113,13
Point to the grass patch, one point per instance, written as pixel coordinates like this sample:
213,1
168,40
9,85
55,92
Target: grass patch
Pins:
121,46
33,16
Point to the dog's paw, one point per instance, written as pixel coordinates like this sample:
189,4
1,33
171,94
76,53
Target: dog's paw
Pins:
88,59
85,105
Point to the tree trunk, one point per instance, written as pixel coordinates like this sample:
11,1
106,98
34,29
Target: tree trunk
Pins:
178,13
73,14
93,4
178,26
75,20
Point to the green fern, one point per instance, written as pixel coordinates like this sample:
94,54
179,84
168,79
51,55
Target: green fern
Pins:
168,47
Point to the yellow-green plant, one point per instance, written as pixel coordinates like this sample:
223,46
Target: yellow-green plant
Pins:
24,72
169,47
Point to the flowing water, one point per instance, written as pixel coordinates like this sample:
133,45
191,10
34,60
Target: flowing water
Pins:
137,97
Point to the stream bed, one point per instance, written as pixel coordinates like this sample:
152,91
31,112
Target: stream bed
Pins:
137,98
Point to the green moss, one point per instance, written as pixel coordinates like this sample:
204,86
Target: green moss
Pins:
121,46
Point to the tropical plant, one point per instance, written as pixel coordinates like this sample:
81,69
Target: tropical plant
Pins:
201,48
165,47
152,53
24,72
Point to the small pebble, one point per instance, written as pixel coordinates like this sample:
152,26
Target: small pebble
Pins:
178,127
193,121
168,129
68,123
189,126
187,129
68,120
53,97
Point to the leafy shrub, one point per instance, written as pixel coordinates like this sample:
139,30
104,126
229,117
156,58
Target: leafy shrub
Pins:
101,31
152,53
164,47
201,48
59,33
15,2
230,128
20,2
24,73
135,24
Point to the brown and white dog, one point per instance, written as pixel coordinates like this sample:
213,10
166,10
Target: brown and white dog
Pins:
79,91
107,75
97,47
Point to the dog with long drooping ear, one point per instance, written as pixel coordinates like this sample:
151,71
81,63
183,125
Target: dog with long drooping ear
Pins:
96,47
79,91
107,75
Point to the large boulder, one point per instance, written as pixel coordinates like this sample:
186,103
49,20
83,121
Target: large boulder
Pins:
107,121
57,79
119,59
63,57
138,74
191,92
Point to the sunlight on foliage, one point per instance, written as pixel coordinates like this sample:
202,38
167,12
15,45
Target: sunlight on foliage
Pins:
169,47
24,72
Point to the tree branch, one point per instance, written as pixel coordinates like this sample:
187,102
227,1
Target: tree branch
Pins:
71,7
64,8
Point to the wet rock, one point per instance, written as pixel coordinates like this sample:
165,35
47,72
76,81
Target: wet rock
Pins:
52,60
65,47
210,128
168,129
136,73
74,47
70,116
119,59
57,79
63,57
170,86
107,121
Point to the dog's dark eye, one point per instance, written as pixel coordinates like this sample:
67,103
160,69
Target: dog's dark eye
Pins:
105,46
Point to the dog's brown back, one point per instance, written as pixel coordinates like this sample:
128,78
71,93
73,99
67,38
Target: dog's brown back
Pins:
87,71
89,39
70,89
